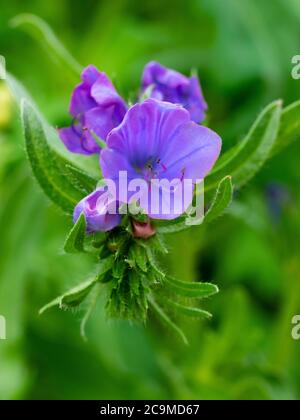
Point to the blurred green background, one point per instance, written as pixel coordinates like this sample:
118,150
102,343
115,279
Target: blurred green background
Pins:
242,50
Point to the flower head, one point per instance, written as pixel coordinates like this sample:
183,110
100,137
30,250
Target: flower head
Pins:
171,86
100,211
157,141
96,109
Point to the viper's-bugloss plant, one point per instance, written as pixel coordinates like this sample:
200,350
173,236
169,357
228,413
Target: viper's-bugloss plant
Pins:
157,137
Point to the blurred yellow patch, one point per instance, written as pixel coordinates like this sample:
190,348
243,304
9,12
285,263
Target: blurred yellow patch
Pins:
5,105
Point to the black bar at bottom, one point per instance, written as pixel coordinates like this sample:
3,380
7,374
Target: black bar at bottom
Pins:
122,408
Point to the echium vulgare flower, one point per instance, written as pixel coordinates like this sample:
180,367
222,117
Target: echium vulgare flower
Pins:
159,141
100,211
169,85
96,109
152,156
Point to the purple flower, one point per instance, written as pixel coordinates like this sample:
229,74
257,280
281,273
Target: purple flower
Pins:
100,210
96,109
158,141
171,86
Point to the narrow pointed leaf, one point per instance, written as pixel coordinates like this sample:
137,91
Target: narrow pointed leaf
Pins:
118,270
177,225
153,263
104,266
72,298
192,290
164,317
45,164
81,181
80,178
289,128
246,159
75,240
91,306
139,255
158,244
222,200
190,312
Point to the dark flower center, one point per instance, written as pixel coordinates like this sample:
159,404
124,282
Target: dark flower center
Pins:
152,168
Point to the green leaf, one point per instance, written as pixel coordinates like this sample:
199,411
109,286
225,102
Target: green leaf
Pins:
84,178
221,201
85,182
47,164
42,32
173,226
188,311
289,128
97,240
104,266
138,254
158,244
118,270
75,240
164,317
91,306
192,290
72,298
152,259
245,160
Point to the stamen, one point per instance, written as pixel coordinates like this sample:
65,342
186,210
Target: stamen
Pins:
182,175
159,162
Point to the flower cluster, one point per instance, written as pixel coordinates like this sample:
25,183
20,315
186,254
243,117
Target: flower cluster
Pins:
154,143
96,109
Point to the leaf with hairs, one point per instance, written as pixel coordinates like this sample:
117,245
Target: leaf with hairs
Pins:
222,200
47,164
173,226
75,240
289,131
104,266
72,298
245,160
83,170
138,254
164,317
153,263
192,290
189,311
84,181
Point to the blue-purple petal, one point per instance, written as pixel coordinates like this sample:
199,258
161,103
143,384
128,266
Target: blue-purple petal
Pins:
78,140
171,86
100,216
96,108
158,140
